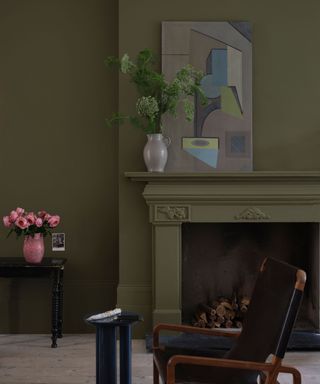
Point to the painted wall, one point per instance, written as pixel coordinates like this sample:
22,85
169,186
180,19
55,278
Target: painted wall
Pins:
286,116
56,152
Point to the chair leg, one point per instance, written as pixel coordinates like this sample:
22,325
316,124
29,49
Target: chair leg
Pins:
296,377
270,378
155,374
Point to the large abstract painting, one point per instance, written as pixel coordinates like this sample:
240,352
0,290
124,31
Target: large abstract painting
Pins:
220,137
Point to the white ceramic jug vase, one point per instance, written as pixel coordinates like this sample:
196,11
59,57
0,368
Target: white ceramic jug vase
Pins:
155,152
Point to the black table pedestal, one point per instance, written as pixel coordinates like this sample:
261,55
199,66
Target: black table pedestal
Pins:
125,354
106,348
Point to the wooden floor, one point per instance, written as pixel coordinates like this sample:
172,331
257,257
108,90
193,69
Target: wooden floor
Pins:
28,359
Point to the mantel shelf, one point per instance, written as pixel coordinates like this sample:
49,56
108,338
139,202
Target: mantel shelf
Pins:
230,177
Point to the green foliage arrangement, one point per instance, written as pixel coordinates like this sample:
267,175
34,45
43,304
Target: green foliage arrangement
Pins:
156,95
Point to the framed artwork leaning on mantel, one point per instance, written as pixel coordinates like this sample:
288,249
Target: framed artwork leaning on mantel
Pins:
220,137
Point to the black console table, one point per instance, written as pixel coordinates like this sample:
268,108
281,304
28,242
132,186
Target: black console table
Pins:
51,267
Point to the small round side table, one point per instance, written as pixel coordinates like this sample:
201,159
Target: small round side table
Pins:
106,347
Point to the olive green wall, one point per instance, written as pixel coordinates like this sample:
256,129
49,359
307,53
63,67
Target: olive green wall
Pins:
56,152
286,115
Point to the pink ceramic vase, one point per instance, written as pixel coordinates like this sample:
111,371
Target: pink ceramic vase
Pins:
33,248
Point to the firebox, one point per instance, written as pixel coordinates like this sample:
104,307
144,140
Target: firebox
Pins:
220,261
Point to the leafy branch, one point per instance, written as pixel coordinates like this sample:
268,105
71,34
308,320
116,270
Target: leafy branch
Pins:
156,95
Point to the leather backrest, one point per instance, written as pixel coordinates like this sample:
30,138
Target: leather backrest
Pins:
266,328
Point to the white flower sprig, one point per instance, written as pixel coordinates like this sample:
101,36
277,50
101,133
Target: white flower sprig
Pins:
147,106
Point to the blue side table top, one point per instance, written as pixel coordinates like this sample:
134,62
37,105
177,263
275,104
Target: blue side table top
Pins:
124,318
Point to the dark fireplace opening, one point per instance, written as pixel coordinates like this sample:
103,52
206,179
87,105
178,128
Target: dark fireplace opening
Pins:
223,259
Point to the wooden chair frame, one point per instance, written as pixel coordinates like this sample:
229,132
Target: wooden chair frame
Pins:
268,372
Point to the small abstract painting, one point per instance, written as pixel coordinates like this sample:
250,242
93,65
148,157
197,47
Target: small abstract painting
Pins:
220,137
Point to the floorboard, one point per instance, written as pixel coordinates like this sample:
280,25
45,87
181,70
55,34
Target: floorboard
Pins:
28,359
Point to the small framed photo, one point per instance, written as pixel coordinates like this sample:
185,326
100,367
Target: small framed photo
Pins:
58,242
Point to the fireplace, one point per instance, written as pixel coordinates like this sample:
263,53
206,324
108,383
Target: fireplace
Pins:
223,260
272,206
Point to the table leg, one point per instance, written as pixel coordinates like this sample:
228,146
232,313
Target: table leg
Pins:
60,306
106,355
125,354
55,307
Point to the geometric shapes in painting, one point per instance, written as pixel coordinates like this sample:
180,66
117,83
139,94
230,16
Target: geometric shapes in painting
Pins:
208,87
223,69
205,149
219,66
202,112
238,144
230,102
235,71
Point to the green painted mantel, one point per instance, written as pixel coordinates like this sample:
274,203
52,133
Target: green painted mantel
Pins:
175,198
297,176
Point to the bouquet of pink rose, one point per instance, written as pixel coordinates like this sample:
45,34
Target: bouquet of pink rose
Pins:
28,223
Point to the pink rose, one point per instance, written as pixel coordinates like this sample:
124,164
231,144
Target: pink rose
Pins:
6,221
42,214
13,216
54,221
20,211
38,222
22,222
31,218
47,217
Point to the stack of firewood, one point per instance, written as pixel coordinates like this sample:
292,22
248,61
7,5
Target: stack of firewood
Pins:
222,313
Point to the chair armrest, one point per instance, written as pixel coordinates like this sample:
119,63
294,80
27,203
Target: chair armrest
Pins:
189,329
226,363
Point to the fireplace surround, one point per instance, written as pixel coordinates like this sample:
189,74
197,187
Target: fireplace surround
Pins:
175,199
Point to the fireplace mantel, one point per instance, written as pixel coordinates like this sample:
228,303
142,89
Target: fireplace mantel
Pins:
176,198
206,197
258,176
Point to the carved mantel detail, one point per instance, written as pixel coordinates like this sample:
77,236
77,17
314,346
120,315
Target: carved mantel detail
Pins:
252,214
172,213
